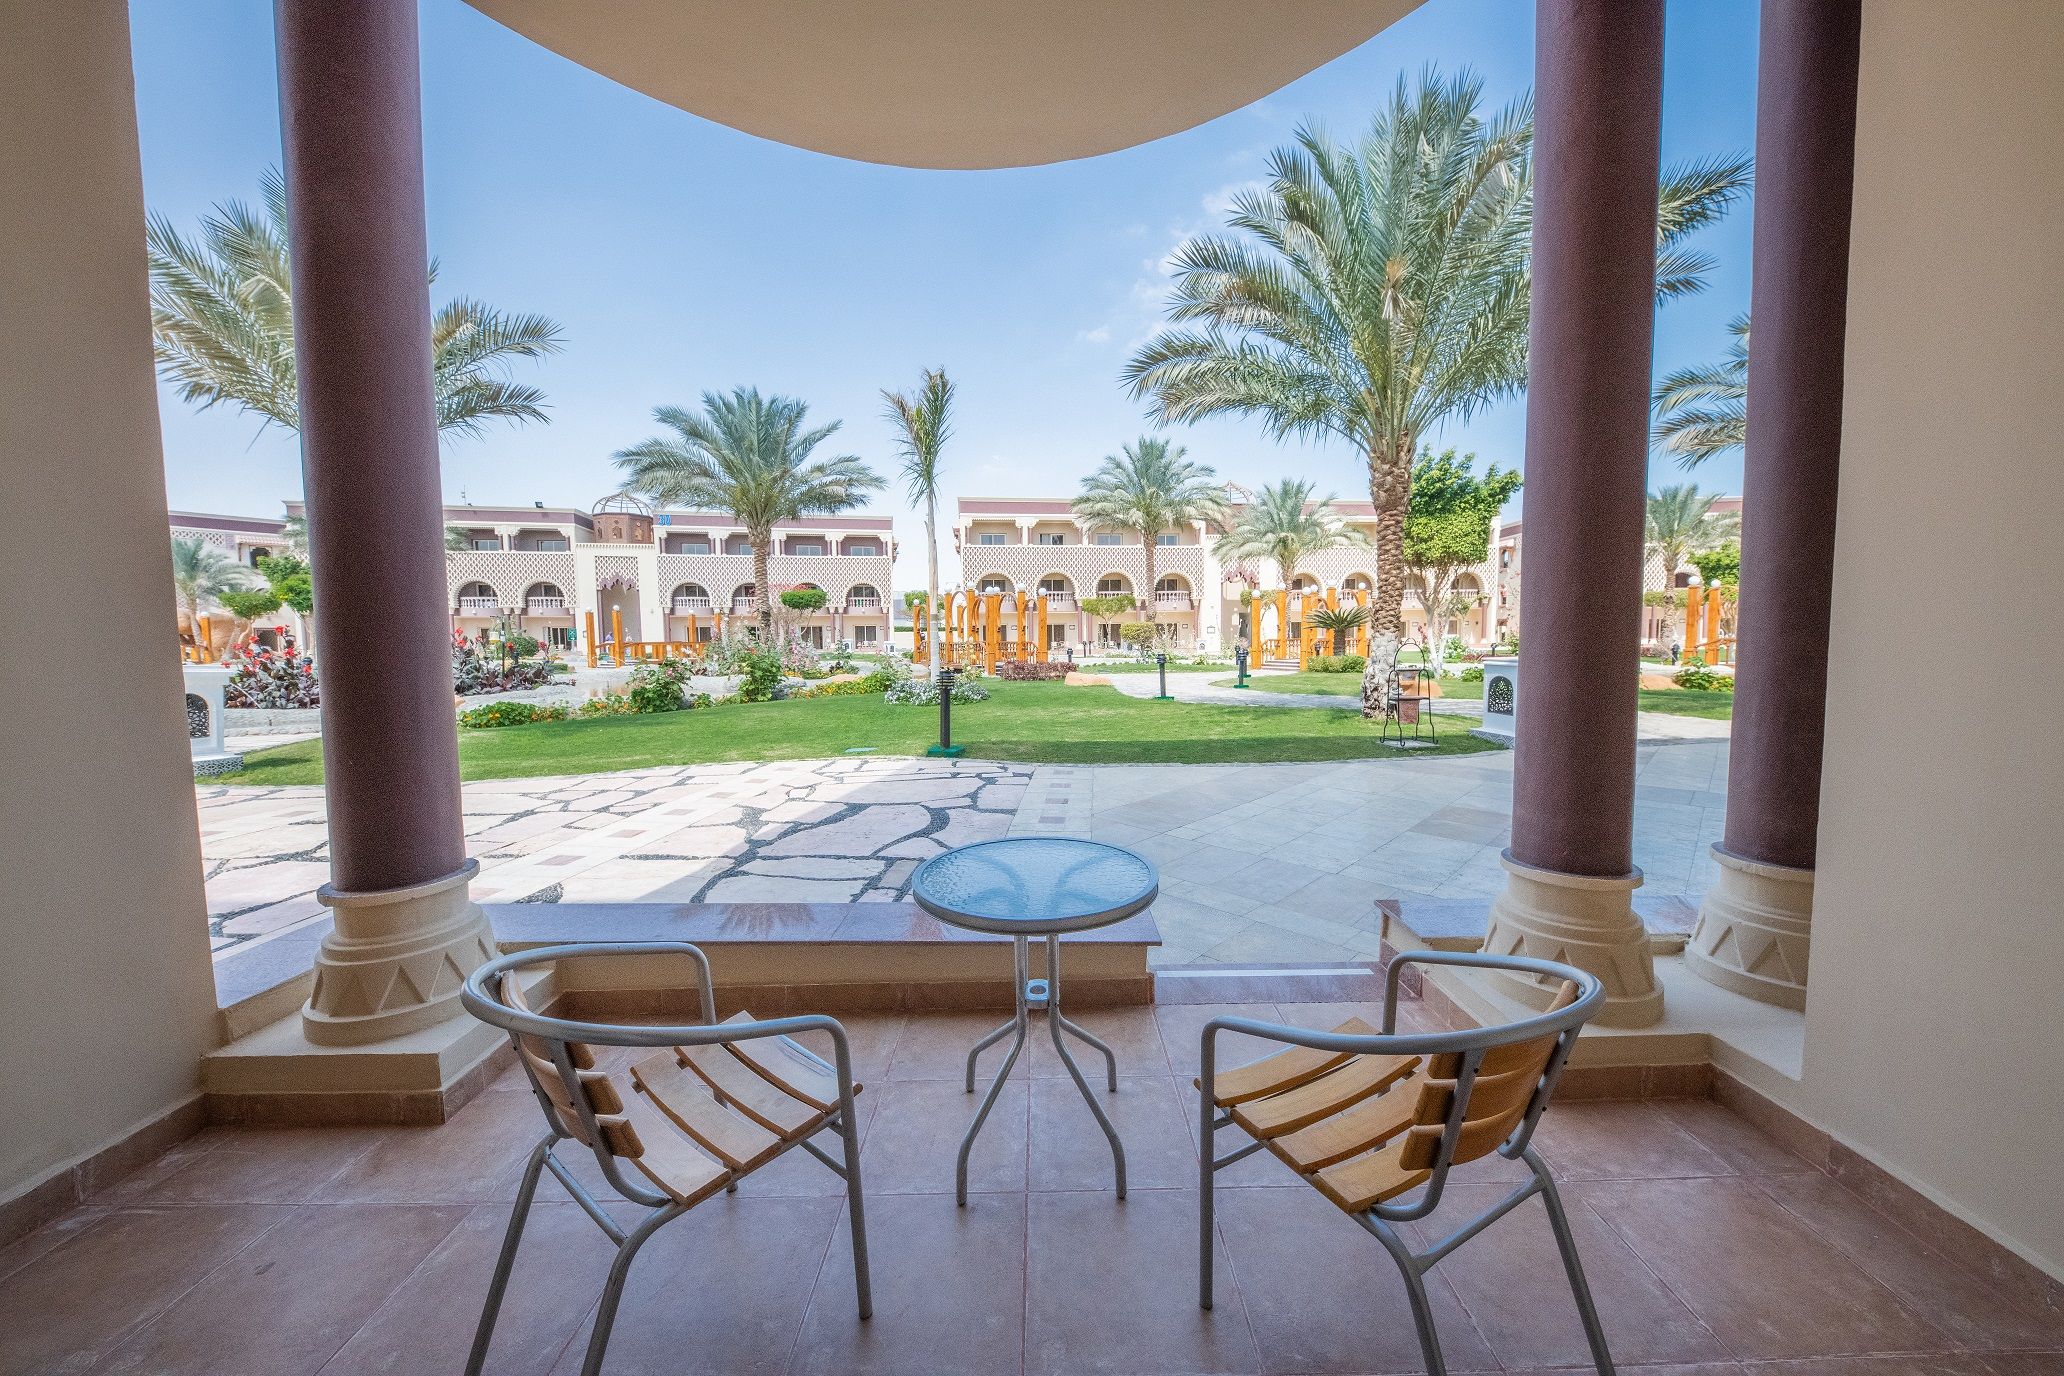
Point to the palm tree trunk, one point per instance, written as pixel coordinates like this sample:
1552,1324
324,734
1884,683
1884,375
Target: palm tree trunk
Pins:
762,594
932,580
1390,478
1152,611
1670,608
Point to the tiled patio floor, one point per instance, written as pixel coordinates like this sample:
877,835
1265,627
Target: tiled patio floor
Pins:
354,1252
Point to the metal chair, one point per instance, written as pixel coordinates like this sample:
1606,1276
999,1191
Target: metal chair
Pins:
1369,1117
712,1104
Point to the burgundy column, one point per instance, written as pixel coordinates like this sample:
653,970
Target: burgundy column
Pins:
406,933
1753,931
1597,152
350,117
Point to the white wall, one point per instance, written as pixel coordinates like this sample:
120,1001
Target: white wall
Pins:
1935,1021
106,993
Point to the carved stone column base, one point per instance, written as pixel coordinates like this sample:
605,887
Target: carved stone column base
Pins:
1754,930
1579,920
396,960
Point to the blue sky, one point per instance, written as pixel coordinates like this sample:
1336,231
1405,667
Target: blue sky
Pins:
682,256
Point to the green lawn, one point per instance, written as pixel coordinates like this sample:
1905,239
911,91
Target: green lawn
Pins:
1689,702
1035,722
1134,667
1338,685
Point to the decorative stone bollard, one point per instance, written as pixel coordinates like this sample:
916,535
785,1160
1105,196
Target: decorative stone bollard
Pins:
204,686
1500,699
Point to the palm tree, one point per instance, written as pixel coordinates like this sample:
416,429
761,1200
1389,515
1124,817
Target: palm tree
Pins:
1147,489
1681,522
1286,525
925,418
750,456
1381,289
1704,411
222,322
201,574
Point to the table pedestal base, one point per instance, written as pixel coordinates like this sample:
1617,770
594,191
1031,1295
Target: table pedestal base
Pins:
1044,994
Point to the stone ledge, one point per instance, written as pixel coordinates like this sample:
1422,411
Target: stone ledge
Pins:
1443,924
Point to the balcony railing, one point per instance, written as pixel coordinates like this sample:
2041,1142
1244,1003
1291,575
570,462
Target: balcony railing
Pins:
1177,601
479,606
740,606
863,604
544,606
691,606
1059,601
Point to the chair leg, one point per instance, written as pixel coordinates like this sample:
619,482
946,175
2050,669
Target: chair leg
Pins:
1566,1242
483,1336
1207,1174
612,1289
863,1285
1415,1290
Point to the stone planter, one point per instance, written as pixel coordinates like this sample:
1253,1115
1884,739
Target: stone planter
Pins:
1501,698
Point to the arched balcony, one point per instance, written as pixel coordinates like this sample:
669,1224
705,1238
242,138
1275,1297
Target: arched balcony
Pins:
1057,590
864,598
1172,593
546,599
742,600
690,599
478,600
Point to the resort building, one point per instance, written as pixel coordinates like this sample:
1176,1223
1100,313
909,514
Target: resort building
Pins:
1038,546
585,580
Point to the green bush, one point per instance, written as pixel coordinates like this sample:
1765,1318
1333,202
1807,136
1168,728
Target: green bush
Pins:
1135,635
1696,675
659,687
876,682
493,714
1471,673
1336,664
760,673
804,599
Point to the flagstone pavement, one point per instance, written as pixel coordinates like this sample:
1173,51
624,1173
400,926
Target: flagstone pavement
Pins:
1268,864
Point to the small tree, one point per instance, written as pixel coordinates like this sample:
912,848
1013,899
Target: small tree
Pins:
1448,519
1681,524
804,599
1337,622
247,605
201,574
1149,488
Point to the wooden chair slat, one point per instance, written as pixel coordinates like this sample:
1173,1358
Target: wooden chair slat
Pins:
732,1138
1479,1137
646,1138
1313,1100
1363,1127
581,1054
785,1065
1284,1070
752,1094
1360,1181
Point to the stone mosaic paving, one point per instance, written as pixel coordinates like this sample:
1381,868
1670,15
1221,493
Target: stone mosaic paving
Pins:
842,830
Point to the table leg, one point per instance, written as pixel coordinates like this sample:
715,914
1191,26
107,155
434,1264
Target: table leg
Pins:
1021,966
1055,1022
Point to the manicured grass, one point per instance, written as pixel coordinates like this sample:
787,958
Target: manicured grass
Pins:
1174,667
1338,685
1034,722
1689,702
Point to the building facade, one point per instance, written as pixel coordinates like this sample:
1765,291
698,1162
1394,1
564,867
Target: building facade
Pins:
1037,546
581,581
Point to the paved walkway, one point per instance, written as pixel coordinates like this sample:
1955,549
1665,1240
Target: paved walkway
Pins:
1274,864
1653,726
1267,864
804,831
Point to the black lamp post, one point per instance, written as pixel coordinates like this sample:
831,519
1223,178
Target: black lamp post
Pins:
946,746
1240,663
1161,666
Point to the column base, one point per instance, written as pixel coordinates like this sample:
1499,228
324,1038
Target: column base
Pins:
1754,930
396,960
1581,920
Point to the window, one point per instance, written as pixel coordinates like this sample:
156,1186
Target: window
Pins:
691,546
1052,537
813,636
559,637
866,635
990,585
806,549
990,537
858,550
1165,539
1110,587
551,544
1107,538
1056,636
486,542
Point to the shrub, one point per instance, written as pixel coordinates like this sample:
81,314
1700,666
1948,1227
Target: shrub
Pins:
271,678
967,687
1134,635
474,673
659,687
491,714
1010,671
1471,673
878,681
803,599
1696,675
522,645
761,671
1336,664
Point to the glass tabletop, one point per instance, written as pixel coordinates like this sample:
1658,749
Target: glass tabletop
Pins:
1034,885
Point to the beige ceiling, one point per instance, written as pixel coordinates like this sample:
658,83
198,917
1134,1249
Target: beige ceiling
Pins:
952,83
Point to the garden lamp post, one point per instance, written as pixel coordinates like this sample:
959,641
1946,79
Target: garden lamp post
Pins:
1240,664
1161,667
946,746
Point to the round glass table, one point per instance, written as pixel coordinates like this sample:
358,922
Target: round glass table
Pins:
1025,887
